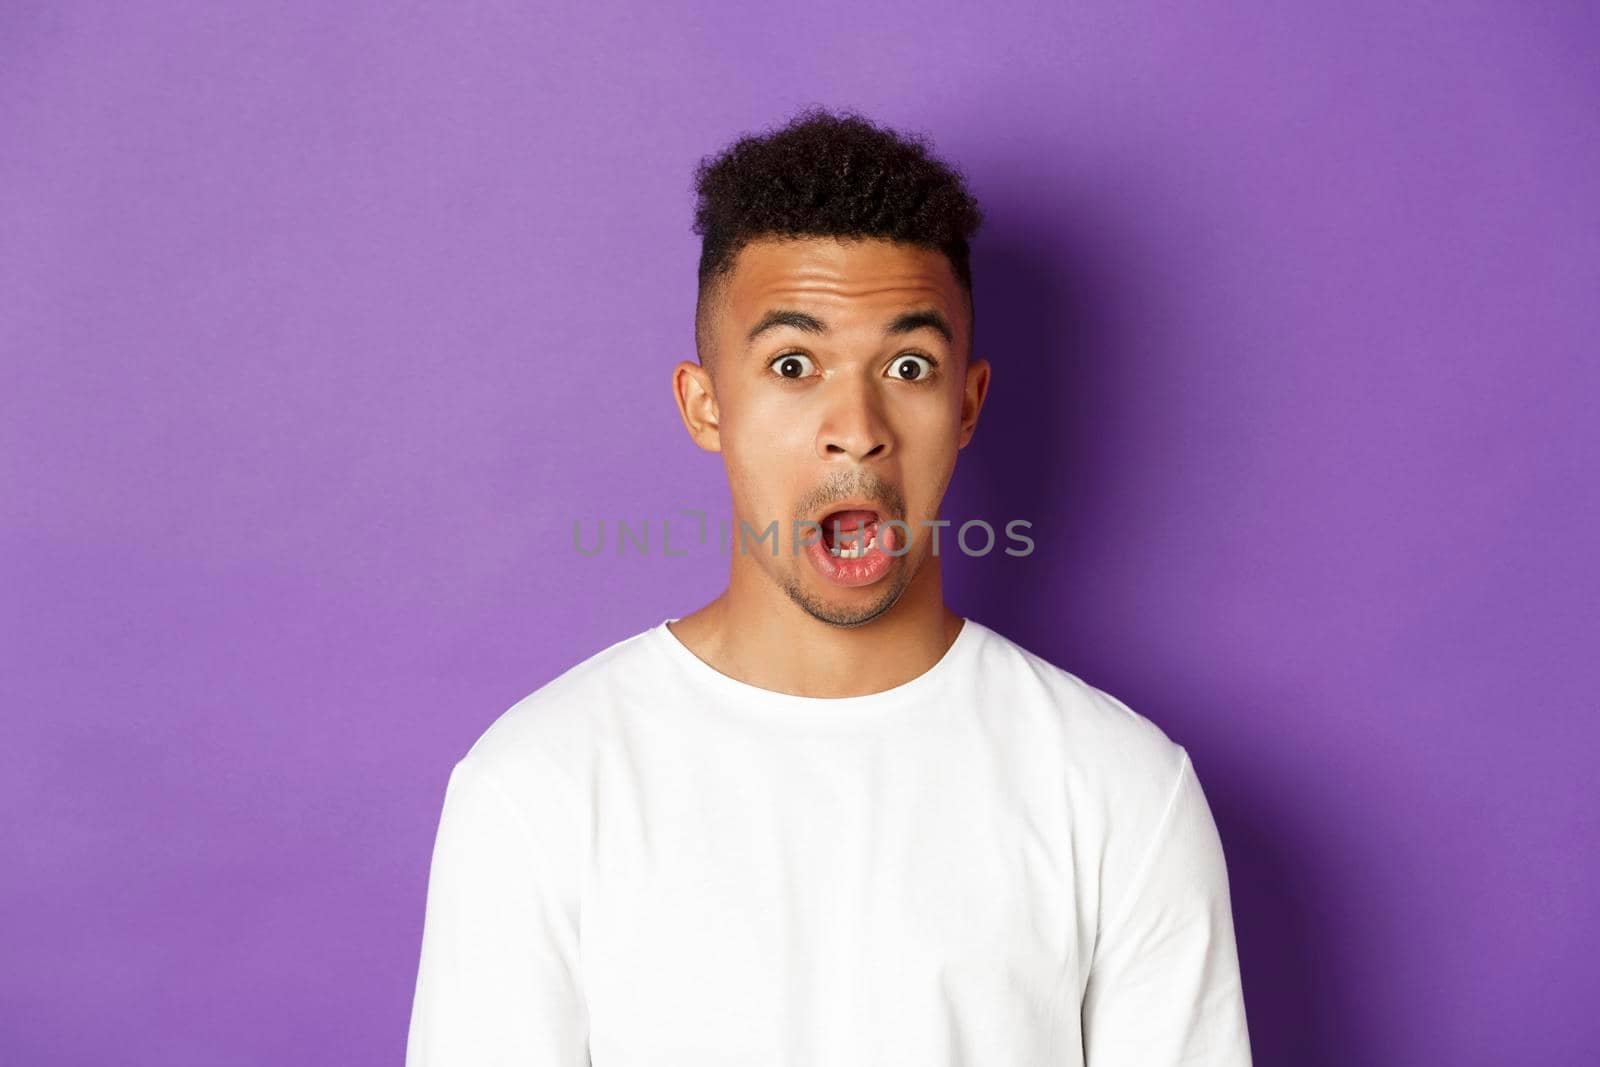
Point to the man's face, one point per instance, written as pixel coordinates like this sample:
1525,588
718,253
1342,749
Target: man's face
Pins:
832,382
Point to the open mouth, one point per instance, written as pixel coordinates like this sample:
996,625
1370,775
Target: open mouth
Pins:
858,546
850,533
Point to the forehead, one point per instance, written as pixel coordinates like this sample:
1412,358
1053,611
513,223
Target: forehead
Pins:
849,278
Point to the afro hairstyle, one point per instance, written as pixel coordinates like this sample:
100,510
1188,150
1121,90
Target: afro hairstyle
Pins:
828,174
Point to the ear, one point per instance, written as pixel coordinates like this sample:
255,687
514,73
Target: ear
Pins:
696,397
972,396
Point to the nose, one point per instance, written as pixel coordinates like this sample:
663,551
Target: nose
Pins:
853,424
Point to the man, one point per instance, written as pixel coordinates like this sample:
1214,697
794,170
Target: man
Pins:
825,820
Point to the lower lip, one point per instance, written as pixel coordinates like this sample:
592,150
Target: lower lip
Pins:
852,572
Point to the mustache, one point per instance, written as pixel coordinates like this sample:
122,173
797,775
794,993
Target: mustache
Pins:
864,486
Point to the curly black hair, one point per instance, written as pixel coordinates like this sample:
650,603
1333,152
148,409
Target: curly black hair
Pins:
827,174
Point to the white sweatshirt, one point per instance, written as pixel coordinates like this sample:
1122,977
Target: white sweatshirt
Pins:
648,863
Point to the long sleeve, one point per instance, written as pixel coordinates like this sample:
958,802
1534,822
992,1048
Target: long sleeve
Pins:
498,982
1164,987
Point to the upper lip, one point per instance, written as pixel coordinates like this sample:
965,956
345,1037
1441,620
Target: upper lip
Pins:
853,504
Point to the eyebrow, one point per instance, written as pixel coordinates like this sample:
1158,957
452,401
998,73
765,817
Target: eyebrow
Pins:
909,322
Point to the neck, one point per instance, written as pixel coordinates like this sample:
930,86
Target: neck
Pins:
753,632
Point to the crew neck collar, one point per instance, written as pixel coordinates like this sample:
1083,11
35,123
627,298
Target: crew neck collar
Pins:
870,706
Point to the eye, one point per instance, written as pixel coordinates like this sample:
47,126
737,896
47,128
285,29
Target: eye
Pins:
791,365
908,367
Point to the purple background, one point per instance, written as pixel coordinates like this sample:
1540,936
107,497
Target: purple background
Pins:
322,323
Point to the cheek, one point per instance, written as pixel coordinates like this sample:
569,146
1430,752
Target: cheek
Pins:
766,436
932,444
754,409
928,474
764,472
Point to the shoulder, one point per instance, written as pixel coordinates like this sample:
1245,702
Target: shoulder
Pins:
539,744
1092,719
1108,749
1129,787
